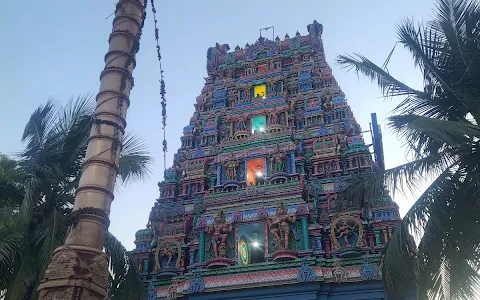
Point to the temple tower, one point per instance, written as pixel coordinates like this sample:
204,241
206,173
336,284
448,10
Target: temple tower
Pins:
252,200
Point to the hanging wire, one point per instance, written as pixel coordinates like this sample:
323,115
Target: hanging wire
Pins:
162,89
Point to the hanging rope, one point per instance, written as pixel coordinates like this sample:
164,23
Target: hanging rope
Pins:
162,89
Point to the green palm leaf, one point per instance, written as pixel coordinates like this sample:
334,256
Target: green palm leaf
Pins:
50,168
134,163
437,127
125,282
21,282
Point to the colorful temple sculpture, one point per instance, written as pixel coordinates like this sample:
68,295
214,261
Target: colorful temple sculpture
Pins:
250,208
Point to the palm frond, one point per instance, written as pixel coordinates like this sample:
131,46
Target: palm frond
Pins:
430,135
135,160
31,196
74,125
437,126
48,235
447,262
409,176
389,85
74,112
39,124
11,246
20,284
432,52
125,282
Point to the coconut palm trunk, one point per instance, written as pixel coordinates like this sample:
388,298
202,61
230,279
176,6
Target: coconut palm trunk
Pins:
79,269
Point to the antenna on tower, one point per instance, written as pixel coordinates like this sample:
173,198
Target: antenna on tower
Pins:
266,29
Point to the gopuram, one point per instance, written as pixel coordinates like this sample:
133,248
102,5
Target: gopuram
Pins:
250,208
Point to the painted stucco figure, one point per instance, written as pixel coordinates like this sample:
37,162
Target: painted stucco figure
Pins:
231,165
218,232
279,227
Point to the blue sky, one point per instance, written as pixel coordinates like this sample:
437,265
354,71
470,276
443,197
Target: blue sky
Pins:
55,49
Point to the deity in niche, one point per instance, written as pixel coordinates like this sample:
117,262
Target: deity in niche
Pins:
240,125
312,103
231,165
281,120
327,100
177,167
278,161
218,232
285,95
346,232
166,252
273,118
279,227
168,255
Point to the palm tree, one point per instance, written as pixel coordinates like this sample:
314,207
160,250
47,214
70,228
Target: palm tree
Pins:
39,187
11,189
440,127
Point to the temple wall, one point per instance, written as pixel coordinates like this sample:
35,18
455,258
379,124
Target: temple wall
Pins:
316,291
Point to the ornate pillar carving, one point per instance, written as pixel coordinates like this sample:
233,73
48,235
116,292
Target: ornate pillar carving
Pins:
292,162
378,240
306,237
385,235
145,265
79,270
201,246
219,174
191,253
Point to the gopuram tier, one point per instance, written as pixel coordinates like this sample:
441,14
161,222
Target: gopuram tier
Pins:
250,208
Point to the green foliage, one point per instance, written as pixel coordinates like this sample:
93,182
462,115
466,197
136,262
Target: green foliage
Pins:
125,282
439,125
37,196
11,189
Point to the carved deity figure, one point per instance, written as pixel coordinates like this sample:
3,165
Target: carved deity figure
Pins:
327,100
278,161
218,232
153,242
273,119
231,165
167,252
177,168
279,227
345,231
240,125
312,103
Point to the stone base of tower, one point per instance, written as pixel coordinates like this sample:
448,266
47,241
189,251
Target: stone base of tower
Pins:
298,279
311,291
76,272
